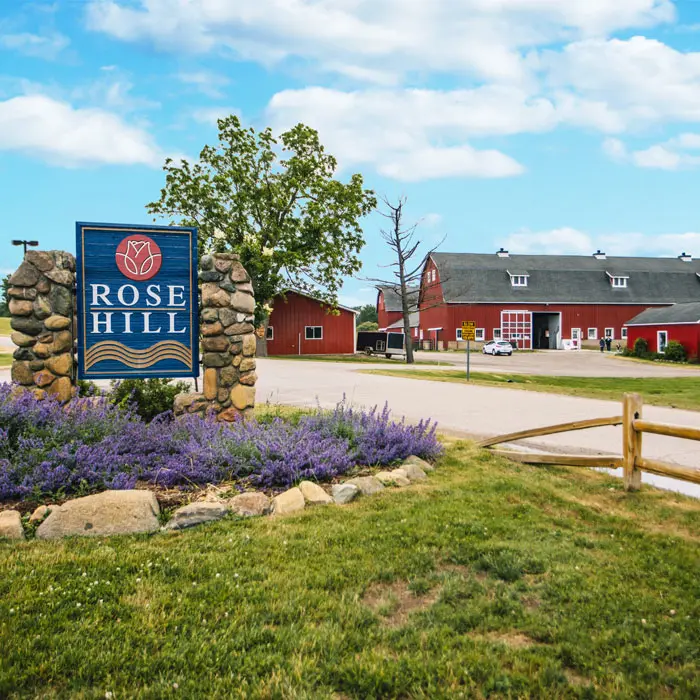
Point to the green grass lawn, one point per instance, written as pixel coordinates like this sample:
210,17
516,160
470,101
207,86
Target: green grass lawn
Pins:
5,326
491,580
5,359
680,392
374,359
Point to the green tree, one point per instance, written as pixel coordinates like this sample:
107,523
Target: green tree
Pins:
275,202
367,326
368,314
4,298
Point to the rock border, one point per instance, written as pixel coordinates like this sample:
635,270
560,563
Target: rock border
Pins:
137,513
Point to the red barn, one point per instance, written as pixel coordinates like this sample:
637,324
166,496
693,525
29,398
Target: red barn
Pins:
680,322
547,301
302,325
389,309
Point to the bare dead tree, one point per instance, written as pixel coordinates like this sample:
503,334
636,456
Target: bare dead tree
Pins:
407,266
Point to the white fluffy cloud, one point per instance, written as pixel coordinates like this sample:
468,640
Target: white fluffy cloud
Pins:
483,37
670,155
47,46
63,135
570,241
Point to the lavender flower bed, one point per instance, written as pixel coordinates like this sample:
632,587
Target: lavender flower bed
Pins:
92,445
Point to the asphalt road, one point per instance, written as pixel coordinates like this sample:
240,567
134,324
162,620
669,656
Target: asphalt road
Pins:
477,411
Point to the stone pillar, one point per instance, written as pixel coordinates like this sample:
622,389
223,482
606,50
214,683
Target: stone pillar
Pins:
42,305
228,340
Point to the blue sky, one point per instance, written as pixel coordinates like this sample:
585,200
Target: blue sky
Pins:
552,126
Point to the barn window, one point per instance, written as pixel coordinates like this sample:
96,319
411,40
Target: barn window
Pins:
624,334
480,334
270,333
610,333
459,334
592,334
619,282
518,278
497,334
314,332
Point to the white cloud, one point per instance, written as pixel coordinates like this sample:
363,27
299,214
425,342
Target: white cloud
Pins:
209,115
63,135
483,37
431,220
570,241
206,82
670,155
48,46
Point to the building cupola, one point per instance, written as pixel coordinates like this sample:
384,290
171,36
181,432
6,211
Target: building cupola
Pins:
599,256
502,253
685,257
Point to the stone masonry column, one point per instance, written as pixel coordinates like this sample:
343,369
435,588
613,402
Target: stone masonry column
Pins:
42,308
228,340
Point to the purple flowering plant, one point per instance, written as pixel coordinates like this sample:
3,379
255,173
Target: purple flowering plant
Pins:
93,444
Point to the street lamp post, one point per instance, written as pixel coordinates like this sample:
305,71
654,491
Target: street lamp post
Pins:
25,244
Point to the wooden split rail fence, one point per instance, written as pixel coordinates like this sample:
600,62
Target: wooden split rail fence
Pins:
632,461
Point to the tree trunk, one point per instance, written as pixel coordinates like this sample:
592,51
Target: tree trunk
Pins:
261,338
406,312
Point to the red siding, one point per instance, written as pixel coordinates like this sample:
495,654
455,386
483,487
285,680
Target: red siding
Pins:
687,334
449,317
290,317
385,318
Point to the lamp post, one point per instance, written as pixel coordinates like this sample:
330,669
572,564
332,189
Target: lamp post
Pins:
25,244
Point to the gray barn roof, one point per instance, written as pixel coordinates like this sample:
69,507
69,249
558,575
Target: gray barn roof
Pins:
392,299
678,313
480,278
414,319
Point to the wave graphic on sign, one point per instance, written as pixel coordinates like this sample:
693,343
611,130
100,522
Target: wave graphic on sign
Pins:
138,359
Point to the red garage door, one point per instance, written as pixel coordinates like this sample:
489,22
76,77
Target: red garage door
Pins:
516,327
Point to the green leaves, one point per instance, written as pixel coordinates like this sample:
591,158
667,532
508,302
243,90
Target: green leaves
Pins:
277,204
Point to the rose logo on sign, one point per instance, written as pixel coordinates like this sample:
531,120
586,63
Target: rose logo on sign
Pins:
139,258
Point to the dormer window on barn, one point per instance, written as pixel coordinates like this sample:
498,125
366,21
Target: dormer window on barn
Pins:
618,280
518,278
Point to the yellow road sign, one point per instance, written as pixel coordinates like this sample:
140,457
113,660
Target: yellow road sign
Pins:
468,330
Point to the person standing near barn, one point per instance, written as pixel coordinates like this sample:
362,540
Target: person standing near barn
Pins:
608,344
602,345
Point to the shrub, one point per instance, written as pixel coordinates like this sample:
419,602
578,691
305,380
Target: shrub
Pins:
148,397
95,443
368,326
674,352
641,347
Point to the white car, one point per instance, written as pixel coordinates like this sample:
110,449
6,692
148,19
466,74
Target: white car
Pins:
497,347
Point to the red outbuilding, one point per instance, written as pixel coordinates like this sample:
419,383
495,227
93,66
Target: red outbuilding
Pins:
302,325
547,301
389,309
680,322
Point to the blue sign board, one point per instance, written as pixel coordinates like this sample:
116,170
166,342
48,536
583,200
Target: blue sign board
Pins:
138,309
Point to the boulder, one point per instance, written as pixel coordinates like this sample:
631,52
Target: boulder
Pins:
22,374
238,273
206,262
290,501
62,388
243,396
213,295
11,525
392,479
250,504
239,329
242,302
313,494
221,264
210,276
414,472
425,466
210,315
21,339
210,383
247,364
64,277
344,493
41,307
22,292
60,364
57,323
368,485
216,359
228,376
249,345
40,259
217,343
40,512
249,378
27,325
400,477
43,378
26,275
21,307
211,329
195,514
61,300
107,513
62,342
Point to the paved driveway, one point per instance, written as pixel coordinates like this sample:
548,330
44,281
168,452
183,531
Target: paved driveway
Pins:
586,363
475,410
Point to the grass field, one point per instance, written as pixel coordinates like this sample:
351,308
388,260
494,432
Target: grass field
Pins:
5,326
5,359
680,392
491,580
